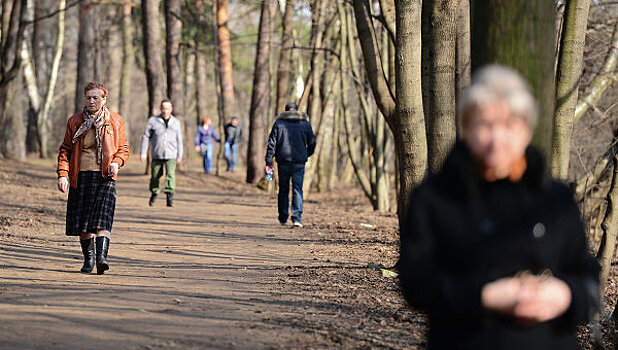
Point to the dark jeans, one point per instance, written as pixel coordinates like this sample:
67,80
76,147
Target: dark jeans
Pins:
230,155
295,172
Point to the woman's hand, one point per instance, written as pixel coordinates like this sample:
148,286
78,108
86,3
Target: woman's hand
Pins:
112,169
549,299
63,184
197,149
529,299
502,295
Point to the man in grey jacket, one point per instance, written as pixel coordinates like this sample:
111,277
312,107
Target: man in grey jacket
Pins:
165,136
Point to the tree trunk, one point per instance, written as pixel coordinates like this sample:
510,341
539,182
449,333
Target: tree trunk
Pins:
518,33
155,77
408,122
85,52
258,113
124,96
173,30
225,60
462,54
285,56
439,66
570,67
200,82
610,228
110,50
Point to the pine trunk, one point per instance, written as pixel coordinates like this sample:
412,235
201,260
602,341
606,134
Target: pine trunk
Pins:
225,60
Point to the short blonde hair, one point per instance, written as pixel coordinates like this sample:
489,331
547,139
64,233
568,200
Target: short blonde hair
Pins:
496,83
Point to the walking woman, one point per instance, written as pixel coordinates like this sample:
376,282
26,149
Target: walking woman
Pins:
492,248
204,142
94,148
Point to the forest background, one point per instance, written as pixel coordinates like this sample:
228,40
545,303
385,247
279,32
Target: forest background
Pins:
379,79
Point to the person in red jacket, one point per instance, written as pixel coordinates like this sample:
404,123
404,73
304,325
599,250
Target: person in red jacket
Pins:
492,248
95,147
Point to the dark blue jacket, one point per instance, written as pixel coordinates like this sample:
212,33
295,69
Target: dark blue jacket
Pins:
291,139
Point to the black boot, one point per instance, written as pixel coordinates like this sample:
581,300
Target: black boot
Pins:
102,248
153,198
170,199
88,250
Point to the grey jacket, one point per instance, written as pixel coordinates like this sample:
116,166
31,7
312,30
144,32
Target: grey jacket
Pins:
166,141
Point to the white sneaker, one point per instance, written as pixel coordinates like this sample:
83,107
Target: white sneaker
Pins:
298,224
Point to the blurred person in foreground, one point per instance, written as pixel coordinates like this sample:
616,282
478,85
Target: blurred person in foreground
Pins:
492,248
94,148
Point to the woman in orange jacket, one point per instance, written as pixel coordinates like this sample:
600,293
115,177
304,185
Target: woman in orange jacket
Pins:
94,148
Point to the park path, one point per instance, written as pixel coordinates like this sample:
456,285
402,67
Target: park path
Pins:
196,276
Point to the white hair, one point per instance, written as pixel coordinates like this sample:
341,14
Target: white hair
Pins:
495,83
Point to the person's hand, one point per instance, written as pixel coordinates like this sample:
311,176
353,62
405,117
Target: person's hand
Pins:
178,160
197,148
268,168
543,300
63,184
112,169
142,158
502,295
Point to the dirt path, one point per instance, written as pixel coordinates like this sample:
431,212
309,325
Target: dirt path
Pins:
216,271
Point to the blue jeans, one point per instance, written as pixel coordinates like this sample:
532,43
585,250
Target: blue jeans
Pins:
207,157
231,161
295,172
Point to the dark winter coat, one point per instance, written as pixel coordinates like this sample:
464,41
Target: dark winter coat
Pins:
291,139
462,232
233,134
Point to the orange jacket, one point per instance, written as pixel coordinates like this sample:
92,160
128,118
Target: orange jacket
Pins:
114,145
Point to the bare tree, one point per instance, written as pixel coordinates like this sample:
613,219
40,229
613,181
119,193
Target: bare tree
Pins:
602,81
260,97
155,76
403,112
42,108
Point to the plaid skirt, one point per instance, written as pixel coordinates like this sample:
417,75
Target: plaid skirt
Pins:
91,205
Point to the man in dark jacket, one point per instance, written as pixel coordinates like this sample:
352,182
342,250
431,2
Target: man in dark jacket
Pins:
291,142
233,136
